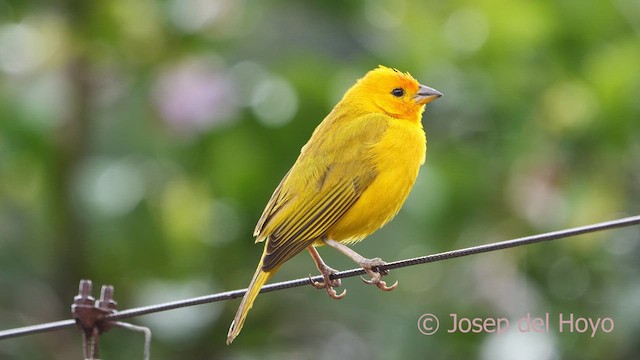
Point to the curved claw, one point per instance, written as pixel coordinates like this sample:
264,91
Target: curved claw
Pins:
334,295
383,286
316,284
329,284
371,266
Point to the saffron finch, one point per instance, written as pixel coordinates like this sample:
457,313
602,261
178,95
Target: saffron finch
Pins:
350,179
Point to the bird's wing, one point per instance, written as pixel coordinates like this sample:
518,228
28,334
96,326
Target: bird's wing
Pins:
331,172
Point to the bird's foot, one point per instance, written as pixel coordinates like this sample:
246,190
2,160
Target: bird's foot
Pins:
372,268
328,284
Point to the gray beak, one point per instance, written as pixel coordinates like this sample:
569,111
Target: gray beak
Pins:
426,95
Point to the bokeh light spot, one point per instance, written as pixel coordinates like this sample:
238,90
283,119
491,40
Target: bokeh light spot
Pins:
21,48
568,279
193,15
195,95
568,106
466,30
515,345
110,187
274,101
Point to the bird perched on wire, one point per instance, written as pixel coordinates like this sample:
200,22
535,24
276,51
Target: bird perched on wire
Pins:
350,179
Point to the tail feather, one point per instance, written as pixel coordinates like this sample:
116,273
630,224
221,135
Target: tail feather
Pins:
259,279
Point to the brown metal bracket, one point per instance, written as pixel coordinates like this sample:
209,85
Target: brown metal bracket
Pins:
89,315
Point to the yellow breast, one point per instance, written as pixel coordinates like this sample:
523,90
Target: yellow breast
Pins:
397,157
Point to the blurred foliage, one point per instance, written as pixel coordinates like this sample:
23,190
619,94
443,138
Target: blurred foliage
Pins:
139,141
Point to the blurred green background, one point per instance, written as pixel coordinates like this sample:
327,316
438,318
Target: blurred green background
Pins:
140,140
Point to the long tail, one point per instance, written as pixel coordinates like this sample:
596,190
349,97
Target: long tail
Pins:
259,278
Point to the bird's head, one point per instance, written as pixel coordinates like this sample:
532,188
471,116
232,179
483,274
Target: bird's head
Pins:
392,92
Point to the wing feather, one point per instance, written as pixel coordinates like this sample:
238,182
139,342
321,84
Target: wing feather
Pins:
327,179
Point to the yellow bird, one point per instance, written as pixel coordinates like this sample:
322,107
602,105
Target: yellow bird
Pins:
350,179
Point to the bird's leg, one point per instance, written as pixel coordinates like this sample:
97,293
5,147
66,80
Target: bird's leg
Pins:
370,266
326,271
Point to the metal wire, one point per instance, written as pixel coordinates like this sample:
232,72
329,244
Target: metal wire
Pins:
35,329
125,314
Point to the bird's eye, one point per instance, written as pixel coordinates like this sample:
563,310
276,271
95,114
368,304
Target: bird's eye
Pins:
397,92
